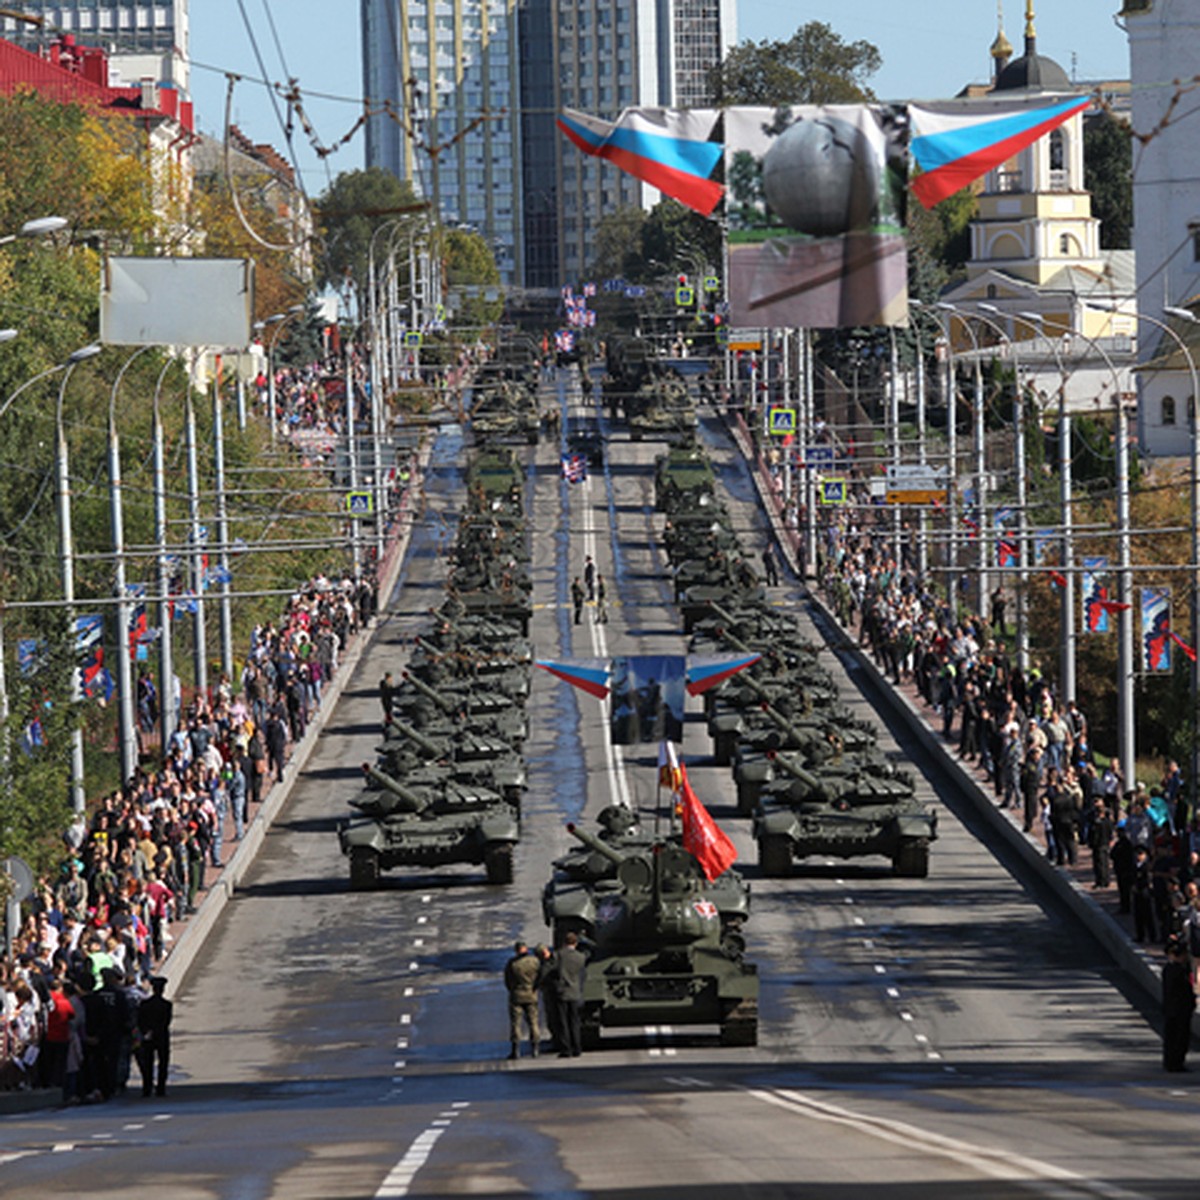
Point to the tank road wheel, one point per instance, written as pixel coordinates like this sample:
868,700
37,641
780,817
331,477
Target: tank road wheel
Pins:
364,869
747,798
740,1025
775,855
498,862
912,860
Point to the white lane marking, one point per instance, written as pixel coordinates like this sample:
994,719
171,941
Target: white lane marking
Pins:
880,969
408,991
101,1136
402,1043
1041,1177
406,1018
421,920
894,993
906,1016
400,1177
400,1064
614,759
414,966
666,1031
418,943
162,1116
848,900
16,1154
135,1127
868,944
859,921
427,899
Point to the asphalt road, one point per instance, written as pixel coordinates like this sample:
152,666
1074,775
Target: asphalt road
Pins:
941,1037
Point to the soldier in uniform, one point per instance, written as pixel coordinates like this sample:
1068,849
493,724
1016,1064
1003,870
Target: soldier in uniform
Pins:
547,986
520,978
1179,1002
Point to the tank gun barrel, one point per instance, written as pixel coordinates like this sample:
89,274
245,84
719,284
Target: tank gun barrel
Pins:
789,764
430,694
410,801
736,642
418,739
592,842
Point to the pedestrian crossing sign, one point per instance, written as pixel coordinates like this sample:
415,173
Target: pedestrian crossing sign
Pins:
360,504
833,491
412,339
781,421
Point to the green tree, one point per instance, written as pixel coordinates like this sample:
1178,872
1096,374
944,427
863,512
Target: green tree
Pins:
354,207
678,239
813,66
1108,175
618,244
471,272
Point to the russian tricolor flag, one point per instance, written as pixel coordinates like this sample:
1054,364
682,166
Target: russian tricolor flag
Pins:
666,148
954,144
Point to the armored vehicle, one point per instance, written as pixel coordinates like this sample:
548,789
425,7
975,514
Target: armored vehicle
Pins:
681,477
844,814
660,955
402,826
463,756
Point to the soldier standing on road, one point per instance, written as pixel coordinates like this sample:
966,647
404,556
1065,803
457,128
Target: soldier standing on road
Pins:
387,695
1179,1002
571,965
770,567
520,978
154,1025
601,598
589,577
577,599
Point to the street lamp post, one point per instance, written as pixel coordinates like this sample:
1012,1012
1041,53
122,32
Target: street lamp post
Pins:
167,708
67,563
126,716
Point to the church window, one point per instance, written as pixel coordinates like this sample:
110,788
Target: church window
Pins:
1191,409
991,291
1168,410
1195,244
1056,150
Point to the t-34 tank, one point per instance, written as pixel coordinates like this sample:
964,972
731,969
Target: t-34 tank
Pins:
621,830
845,813
403,826
659,953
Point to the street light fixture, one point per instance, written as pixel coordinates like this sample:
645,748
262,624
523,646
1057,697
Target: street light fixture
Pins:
38,227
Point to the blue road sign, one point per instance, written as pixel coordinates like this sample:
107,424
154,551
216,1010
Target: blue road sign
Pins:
818,456
833,491
360,504
781,421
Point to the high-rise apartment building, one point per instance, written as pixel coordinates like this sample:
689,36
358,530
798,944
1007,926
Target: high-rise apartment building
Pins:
143,38
511,175
446,70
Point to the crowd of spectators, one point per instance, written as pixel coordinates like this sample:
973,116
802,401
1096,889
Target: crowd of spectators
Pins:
1032,745
94,934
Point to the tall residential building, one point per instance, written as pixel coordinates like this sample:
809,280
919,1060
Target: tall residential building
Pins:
605,55
445,70
446,73
144,39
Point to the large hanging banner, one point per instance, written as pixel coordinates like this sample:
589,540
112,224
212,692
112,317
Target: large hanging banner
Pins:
1095,595
1156,629
815,196
816,203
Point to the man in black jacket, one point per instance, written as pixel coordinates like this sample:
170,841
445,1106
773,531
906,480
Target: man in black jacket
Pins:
572,962
1179,1002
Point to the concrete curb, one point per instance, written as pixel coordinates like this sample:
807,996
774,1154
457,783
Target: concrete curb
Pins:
191,941
1129,957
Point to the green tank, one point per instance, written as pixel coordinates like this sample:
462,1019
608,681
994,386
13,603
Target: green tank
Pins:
404,826
659,951
683,478
482,711
844,813
465,757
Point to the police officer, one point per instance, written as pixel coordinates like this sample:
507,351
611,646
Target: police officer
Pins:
154,1025
1179,1002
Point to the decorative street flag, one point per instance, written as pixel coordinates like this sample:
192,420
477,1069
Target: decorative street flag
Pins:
1156,629
702,837
574,468
1095,592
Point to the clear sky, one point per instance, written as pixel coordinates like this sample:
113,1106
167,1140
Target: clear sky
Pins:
930,49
